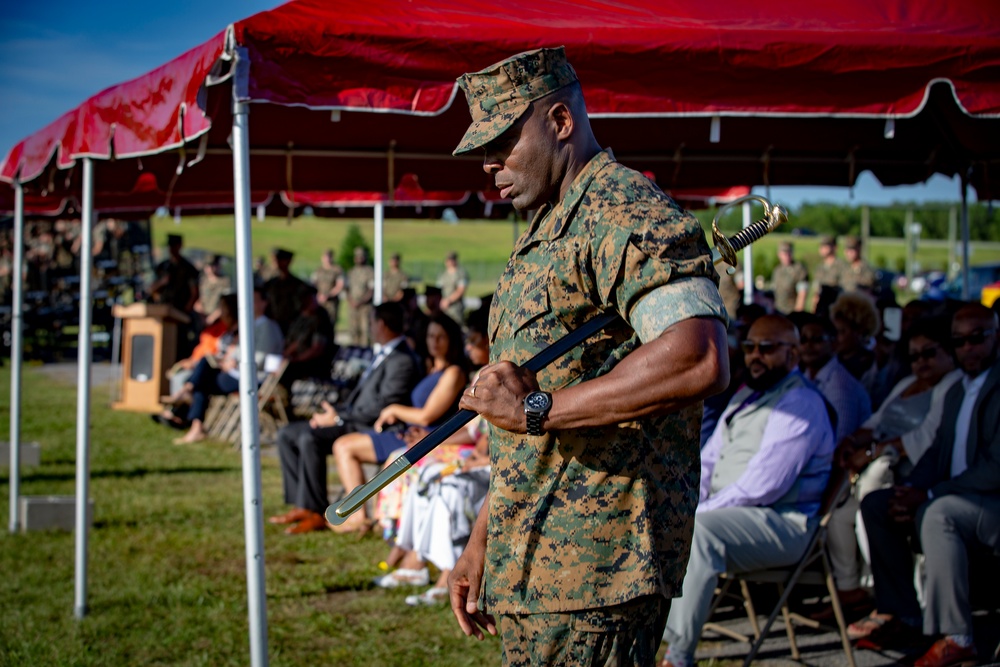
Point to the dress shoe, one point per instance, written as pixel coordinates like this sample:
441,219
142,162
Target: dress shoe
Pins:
292,516
853,603
314,521
946,653
893,634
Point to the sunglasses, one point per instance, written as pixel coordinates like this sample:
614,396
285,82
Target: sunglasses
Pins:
765,346
976,338
927,353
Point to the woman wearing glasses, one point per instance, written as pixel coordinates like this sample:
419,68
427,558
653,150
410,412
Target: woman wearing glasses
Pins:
886,448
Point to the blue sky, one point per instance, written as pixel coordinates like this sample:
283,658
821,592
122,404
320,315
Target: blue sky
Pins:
56,54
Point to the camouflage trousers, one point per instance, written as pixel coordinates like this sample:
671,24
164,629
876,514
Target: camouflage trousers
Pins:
623,635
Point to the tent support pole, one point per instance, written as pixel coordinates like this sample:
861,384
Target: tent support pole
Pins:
379,224
253,510
16,334
747,259
83,359
965,235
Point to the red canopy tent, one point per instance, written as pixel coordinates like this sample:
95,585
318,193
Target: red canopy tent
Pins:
706,94
345,95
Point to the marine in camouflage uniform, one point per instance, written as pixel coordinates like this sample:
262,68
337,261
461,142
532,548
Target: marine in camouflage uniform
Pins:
588,526
328,280
360,292
453,281
787,280
826,276
394,281
857,273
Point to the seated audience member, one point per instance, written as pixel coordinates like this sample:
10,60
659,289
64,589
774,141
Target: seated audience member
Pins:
438,512
713,407
213,341
267,336
856,320
434,399
416,322
839,388
309,346
450,487
432,300
207,381
888,445
303,446
763,474
897,366
950,502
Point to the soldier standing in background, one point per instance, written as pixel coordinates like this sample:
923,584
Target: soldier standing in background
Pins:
284,291
857,274
789,280
394,281
827,276
453,283
328,280
212,286
360,292
176,278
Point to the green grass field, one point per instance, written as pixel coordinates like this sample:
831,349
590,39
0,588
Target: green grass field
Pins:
483,246
167,574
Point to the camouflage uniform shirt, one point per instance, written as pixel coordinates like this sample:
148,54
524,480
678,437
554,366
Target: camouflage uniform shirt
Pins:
828,275
855,276
594,517
393,284
785,280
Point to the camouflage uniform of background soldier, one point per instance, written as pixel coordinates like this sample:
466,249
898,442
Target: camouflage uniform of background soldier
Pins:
826,276
394,280
588,529
787,280
328,280
360,292
857,274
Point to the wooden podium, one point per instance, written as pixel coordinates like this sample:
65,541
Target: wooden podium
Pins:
149,349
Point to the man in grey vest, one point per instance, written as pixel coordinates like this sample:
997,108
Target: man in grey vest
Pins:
950,503
763,474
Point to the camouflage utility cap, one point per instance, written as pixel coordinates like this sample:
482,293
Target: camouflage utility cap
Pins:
501,93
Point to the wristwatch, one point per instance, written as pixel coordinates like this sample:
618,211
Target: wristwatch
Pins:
536,407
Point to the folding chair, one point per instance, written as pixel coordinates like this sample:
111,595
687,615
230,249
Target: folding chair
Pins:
267,397
812,569
271,411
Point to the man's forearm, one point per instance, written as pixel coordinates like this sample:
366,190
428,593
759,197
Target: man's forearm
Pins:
686,364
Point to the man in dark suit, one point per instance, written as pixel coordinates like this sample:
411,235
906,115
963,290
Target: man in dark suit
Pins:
950,502
304,446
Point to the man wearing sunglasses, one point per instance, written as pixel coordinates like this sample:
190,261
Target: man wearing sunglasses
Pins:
950,502
763,473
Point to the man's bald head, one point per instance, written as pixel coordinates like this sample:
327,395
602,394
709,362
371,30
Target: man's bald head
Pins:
776,328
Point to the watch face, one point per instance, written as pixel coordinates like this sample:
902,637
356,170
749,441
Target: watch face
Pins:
537,401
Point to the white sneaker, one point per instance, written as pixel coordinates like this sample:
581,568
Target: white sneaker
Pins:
404,577
431,596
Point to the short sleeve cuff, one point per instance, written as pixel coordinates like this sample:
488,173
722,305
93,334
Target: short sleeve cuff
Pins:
674,302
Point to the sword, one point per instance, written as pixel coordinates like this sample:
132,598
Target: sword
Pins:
725,251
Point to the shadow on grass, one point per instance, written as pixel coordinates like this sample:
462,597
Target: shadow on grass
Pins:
127,474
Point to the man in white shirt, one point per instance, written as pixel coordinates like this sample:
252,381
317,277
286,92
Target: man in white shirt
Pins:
952,503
